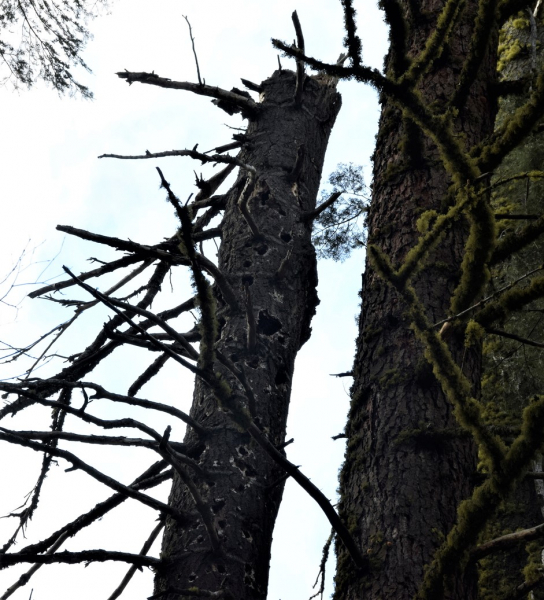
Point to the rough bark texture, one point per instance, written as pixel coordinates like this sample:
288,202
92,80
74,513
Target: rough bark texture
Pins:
406,467
278,267
512,371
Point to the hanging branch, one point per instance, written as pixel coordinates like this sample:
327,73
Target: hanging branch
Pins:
322,567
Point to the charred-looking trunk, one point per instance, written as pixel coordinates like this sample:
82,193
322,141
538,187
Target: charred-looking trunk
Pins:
271,268
408,465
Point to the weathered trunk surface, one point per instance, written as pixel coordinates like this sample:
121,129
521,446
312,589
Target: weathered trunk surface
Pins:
278,267
406,467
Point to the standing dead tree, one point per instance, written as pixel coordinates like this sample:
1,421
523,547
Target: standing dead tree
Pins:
255,302
412,496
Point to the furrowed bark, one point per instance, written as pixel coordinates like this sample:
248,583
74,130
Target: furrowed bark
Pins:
403,476
244,498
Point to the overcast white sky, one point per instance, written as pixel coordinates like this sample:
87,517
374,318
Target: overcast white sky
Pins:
50,175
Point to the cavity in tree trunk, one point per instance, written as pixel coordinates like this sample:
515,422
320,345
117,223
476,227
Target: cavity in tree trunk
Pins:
271,268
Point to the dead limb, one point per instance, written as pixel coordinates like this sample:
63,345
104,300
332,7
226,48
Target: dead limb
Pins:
77,463
143,552
311,215
507,541
244,105
86,556
300,63
151,477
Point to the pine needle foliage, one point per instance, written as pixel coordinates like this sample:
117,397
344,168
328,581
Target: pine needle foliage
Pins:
45,41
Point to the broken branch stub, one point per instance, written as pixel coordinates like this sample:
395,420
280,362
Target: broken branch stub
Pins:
258,231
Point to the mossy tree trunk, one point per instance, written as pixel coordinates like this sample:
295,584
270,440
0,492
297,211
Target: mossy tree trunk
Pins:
272,273
406,467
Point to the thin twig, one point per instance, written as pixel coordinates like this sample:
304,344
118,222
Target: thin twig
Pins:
194,50
513,336
311,215
130,573
23,580
488,298
95,474
150,478
108,268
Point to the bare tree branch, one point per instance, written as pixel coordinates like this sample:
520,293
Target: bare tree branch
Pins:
507,541
194,51
243,104
130,573
86,556
95,474
108,268
148,479
25,577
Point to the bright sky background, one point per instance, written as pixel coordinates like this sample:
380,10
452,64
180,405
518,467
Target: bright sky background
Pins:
50,176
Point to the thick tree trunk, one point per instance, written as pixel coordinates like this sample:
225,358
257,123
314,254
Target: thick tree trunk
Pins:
276,269
406,469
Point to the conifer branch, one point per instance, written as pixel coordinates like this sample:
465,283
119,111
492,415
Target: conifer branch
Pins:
107,268
475,512
516,240
483,315
455,385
